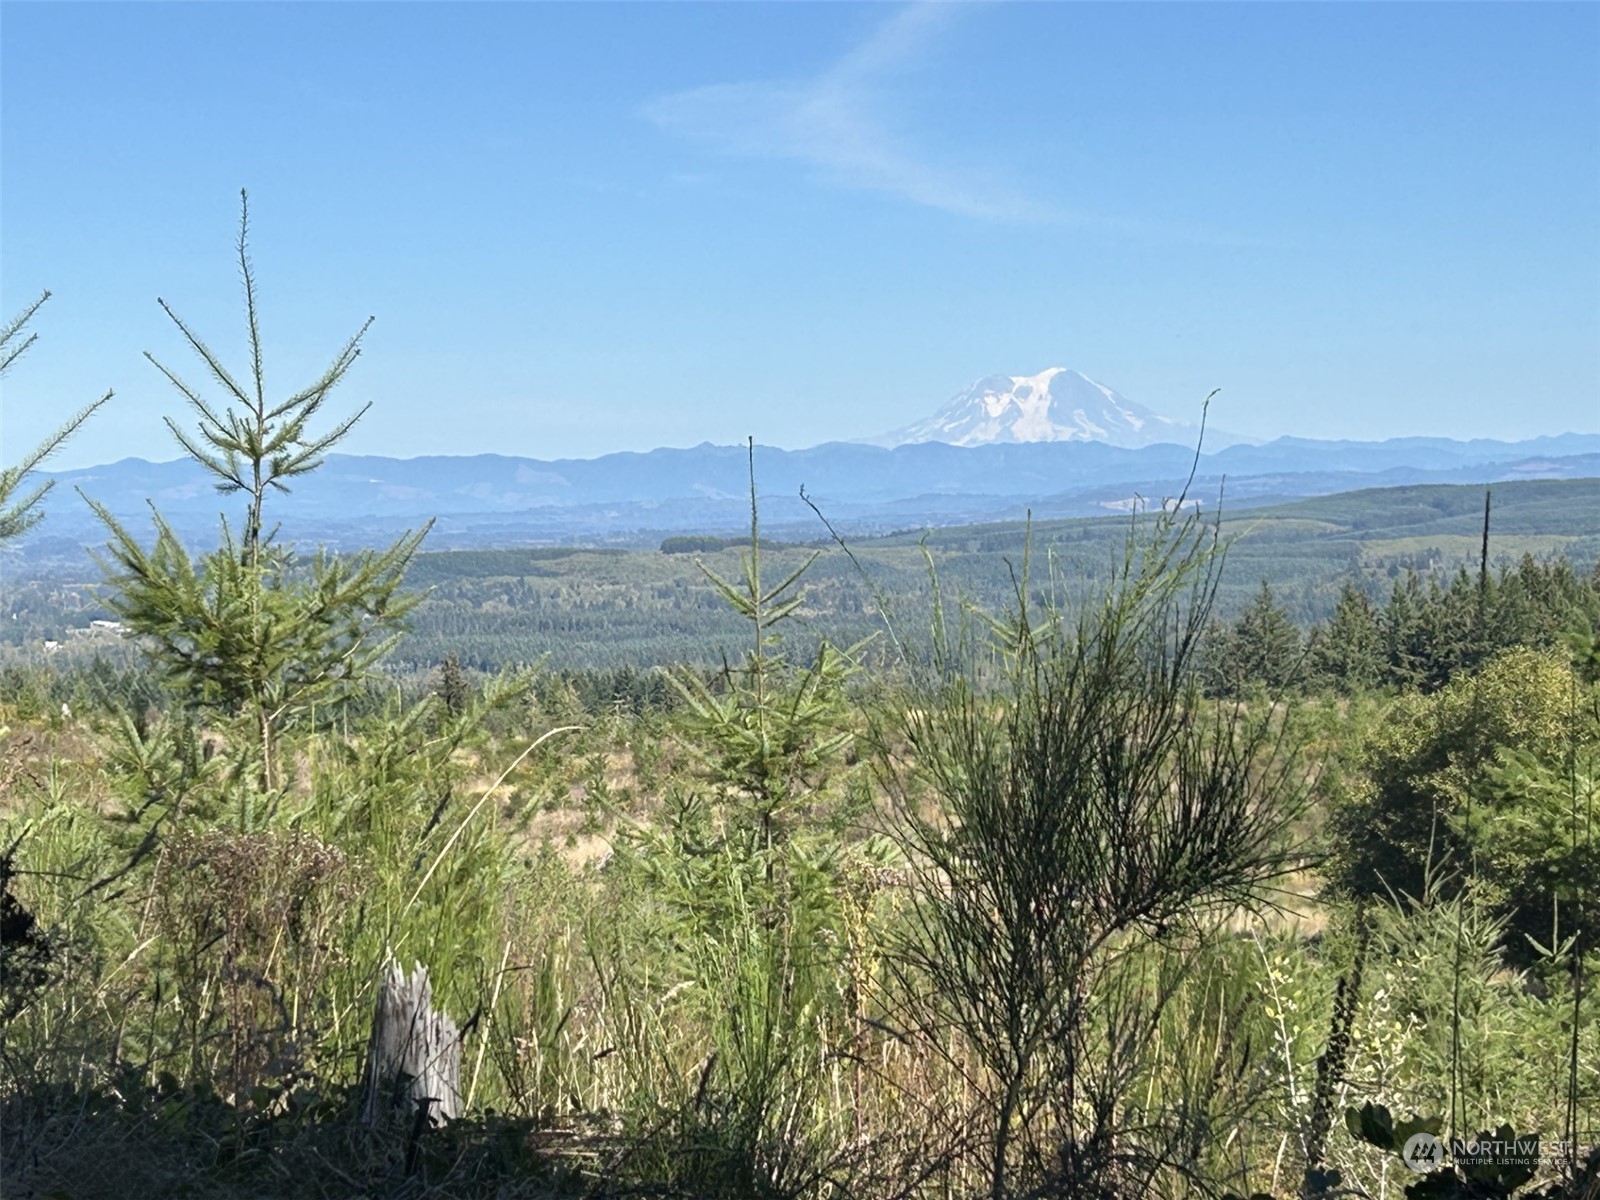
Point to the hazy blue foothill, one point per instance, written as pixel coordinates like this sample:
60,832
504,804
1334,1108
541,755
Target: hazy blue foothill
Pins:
494,500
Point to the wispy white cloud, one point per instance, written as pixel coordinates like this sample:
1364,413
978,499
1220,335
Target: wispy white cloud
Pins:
836,123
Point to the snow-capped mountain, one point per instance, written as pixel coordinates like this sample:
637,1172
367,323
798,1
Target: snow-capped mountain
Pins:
1056,405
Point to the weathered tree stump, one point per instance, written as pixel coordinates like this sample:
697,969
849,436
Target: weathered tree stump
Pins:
414,1057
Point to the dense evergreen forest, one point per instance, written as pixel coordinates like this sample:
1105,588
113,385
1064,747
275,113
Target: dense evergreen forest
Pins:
1105,859
575,609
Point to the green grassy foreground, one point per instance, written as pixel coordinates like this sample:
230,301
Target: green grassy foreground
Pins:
773,933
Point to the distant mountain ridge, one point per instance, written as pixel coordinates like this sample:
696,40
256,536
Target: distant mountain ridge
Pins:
1056,405
631,497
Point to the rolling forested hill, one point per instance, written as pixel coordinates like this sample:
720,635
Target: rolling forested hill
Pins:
600,608
611,608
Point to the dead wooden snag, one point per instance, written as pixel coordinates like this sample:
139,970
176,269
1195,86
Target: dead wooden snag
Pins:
414,1057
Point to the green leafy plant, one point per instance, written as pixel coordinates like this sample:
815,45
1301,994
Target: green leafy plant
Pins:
252,633
769,730
1493,1164
1489,773
19,514
1093,809
748,900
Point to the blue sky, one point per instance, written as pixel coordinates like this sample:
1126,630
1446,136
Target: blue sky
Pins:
595,227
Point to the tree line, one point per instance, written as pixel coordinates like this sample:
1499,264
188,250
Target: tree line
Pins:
1423,634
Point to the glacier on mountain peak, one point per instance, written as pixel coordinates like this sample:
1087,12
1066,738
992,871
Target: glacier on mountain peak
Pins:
1056,405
